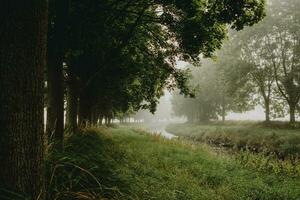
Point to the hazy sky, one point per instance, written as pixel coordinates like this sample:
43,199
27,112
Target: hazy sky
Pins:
257,114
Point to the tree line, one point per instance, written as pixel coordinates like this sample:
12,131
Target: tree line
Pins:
257,66
94,59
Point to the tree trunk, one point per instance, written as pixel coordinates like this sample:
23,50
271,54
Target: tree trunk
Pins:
106,120
80,112
267,111
55,110
223,113
85,111
292,113
23,31
55,80
94,118
100,119
72,104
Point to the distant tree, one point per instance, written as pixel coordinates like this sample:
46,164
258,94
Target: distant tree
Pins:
210,93
235,94
185,107
23,41
204,106
163,112
216,91
283,44
259,71
271,51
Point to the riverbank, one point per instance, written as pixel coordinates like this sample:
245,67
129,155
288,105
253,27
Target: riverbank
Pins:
154,128
278,138
123,163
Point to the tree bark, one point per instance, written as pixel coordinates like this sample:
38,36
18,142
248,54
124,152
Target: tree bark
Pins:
55,80
55,110
106,120
23,31
100,119
85,111
95,116
72,104
292,113
267,111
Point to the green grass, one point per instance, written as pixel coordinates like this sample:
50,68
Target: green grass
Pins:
130,164
278,139
86,169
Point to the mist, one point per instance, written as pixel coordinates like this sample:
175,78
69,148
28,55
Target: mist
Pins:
160,99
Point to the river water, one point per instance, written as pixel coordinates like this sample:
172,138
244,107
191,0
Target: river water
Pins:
157,128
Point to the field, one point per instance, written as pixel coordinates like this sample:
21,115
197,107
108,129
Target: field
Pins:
277,139
123,163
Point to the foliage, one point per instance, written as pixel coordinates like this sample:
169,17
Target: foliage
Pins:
218,90
124,53
270,57
259,65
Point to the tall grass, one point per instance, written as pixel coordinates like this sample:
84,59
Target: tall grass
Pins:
131,164
170,169
86,169
279,139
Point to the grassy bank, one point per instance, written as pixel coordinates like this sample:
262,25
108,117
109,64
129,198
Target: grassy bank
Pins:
277,139
130,164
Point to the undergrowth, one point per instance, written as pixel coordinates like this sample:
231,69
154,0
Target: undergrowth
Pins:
86,168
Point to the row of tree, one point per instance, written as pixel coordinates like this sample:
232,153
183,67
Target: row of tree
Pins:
259,65
100,58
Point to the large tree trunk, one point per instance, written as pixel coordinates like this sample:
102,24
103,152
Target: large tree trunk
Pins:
72,104
292,113
55,110
267,111
55,114
84,111
23,30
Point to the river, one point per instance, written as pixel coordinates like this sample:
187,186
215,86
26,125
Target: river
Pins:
160,128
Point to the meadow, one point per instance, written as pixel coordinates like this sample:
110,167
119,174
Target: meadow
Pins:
278,139
123,163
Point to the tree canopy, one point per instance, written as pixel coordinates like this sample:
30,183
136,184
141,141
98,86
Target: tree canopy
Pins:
261,64
127,51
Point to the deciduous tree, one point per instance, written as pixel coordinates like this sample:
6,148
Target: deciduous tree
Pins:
23,31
